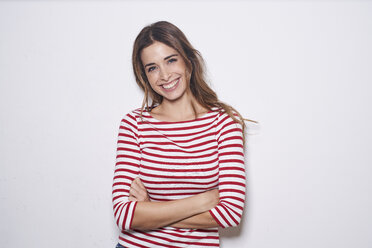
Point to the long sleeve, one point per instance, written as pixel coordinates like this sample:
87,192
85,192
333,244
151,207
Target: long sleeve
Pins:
126,169
229,137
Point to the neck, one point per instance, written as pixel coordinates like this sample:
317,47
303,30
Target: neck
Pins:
180,109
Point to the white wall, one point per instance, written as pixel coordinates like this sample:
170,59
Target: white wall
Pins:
301,68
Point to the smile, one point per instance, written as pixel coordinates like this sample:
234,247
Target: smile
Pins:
171,84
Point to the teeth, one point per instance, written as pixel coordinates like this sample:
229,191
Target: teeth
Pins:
168,86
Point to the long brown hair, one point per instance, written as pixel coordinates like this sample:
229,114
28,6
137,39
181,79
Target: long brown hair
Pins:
170,35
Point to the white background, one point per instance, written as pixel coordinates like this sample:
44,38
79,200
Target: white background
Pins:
303,69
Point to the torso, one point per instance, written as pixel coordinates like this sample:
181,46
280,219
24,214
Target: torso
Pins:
179,159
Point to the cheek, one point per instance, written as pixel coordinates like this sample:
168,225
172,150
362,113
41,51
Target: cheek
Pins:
181,68
152,78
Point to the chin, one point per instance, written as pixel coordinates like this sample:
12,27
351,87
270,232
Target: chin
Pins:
176,97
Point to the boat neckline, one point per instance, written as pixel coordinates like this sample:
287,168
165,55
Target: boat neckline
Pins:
175,122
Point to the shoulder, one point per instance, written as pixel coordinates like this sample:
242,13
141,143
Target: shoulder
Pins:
133,114
225,124
131,118
223,116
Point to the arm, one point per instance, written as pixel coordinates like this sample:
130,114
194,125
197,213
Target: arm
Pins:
151,215
203,220
139,193
126,169
229,210
229,137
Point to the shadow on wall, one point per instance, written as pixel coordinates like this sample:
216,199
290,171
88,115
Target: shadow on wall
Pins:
231,232
228,235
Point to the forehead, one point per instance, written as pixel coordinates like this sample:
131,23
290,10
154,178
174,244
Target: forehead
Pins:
156,52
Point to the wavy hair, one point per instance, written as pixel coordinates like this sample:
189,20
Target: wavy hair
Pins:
170,35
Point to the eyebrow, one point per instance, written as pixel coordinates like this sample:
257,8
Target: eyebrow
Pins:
164,59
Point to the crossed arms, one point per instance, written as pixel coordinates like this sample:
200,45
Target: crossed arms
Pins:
222,207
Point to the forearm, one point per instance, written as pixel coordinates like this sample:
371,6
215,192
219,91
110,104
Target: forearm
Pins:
203,220
151,215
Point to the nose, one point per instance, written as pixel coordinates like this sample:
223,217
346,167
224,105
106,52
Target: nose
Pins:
164,74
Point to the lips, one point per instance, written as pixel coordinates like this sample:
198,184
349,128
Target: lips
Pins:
171,85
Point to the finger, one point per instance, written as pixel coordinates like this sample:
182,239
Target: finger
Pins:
132,198
140,184
139,190
134,192
134,182
135,185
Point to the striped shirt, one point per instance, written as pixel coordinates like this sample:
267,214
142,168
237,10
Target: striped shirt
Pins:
175,160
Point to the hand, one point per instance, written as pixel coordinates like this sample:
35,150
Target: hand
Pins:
137,191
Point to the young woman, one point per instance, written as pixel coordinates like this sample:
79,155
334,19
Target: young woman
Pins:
179,173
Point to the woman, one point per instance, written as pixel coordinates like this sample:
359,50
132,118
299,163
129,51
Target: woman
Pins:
179,173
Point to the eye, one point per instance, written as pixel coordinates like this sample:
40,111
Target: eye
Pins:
150,69
172,60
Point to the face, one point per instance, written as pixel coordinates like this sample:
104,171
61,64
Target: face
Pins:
165,70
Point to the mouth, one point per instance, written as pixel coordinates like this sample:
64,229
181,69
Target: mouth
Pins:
171,85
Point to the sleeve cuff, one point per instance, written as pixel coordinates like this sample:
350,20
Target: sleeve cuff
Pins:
213,213
132,212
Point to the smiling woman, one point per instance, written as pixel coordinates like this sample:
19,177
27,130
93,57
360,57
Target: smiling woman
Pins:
165,71
180,159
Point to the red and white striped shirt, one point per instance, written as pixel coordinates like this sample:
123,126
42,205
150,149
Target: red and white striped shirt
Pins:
176,160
